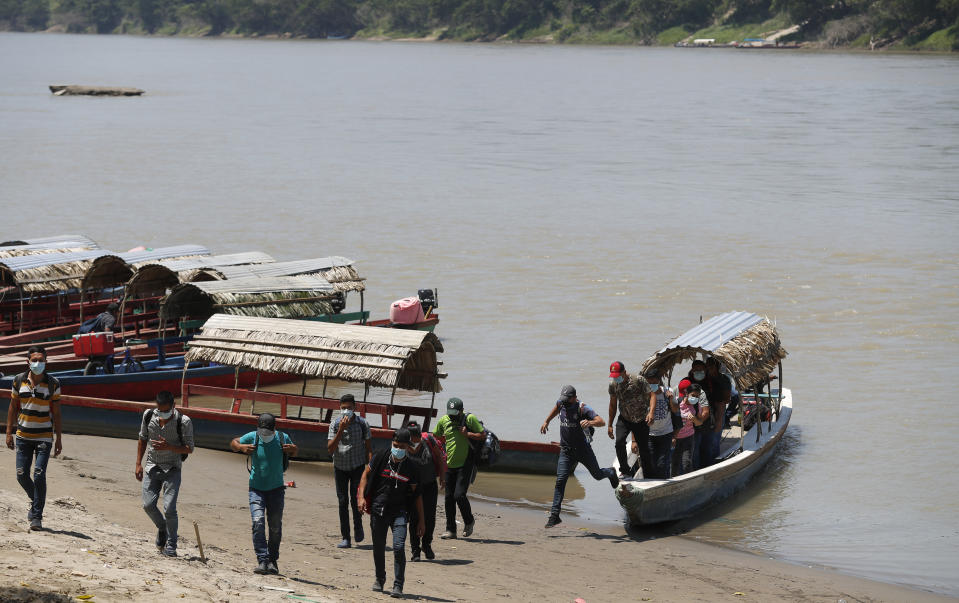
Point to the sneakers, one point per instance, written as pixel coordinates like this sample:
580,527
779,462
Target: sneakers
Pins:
169,550
358,532
263,568
415,556
271,566
468,529
377,586
553,520
35,524
613,480
161,539
344,544
448,535
397,592
428,551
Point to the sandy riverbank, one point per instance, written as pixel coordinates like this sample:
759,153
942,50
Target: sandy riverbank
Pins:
97,541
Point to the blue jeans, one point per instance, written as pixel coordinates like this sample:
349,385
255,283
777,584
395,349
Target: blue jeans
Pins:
569,458
35,488
697,444
709,447
347,481
378,526
659,456
266,506
155,482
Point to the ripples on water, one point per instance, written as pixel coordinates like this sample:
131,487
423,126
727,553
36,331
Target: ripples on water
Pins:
574,206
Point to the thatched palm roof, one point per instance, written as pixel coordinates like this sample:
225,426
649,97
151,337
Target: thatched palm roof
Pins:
156,277
748,345
47,271
55,242
116,269
373,355
337,270
283,297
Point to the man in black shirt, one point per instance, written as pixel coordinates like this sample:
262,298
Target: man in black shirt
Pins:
389,494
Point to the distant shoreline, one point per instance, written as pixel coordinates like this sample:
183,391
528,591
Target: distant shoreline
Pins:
804,48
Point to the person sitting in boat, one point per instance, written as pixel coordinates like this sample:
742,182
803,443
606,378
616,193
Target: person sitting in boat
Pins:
630,394
105,321
662,403
701,406
684,439
574,447
718,391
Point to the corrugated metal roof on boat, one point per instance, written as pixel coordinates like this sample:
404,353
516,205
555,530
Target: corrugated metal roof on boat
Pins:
290,268
160,253
54,242
215,261
716,331
28,262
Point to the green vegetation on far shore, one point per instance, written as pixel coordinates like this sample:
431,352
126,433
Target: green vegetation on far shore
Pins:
931,25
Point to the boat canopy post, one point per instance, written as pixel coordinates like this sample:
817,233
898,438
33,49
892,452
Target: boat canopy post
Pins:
362,315
82,296
429,417
123,305
389,417
299,414
21,309
59,311
779,397
183,393
256,386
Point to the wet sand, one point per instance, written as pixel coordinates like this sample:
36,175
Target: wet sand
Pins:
97,541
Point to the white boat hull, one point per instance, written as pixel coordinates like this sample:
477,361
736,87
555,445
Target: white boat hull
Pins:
657,501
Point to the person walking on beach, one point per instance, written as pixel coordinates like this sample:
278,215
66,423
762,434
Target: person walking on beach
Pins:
457,429
574,447
35,402
269,451
166,436
426,453
390,495
350,445
631,395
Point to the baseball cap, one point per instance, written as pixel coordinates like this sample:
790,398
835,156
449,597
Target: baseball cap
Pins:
454,407
567,393
616,369
266,421
401,436
684,385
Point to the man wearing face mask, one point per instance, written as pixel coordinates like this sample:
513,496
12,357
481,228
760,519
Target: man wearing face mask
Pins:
35,402
266,448
718,390
390,496
350,445
631,394
662,403
166,435
574,447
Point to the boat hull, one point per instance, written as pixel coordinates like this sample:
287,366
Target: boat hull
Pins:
214,428
657,501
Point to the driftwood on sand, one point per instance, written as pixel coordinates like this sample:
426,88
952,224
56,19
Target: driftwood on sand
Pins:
71,90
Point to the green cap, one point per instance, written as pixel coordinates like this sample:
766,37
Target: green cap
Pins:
454,407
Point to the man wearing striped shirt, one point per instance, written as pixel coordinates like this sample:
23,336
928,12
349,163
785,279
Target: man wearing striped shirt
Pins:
35,402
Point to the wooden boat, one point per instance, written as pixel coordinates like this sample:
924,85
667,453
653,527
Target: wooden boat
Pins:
77,90
384,358
747,346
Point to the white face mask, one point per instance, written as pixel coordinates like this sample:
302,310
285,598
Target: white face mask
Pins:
165,415
37,366
266,435
346,413
692,400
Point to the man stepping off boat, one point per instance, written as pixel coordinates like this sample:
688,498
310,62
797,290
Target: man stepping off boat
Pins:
630,393
574,445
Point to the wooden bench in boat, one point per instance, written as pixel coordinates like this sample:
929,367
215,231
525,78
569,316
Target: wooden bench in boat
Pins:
384,411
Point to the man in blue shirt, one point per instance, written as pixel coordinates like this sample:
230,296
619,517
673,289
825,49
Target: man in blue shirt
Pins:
267,448
574,445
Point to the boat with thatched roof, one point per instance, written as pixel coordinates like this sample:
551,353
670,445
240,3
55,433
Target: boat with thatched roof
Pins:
381,361
748,347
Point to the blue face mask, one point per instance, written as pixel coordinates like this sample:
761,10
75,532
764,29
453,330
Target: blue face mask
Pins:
699,375
37,366
654,387
618,379
399,453
692,400
347,413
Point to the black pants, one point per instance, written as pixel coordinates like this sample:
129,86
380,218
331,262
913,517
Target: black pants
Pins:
347,481
379,524
457,483
640,431
429,492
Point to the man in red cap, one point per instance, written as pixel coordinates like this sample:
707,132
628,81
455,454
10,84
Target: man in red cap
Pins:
630,393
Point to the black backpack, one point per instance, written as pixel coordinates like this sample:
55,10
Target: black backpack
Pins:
179,427
256,444
485,452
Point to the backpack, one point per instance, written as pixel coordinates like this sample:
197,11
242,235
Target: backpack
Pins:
256,444
89,325
437,452
486,452
179,427
52,382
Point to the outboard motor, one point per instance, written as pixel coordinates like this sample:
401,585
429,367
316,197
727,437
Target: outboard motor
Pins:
428,300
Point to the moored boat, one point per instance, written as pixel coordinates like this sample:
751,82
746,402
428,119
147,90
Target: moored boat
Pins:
748,347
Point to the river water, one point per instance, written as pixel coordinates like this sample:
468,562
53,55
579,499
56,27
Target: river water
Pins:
573,206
